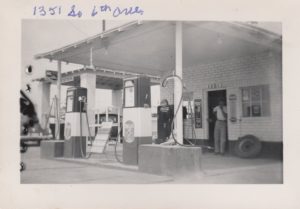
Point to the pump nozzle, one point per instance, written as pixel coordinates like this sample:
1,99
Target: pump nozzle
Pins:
165,81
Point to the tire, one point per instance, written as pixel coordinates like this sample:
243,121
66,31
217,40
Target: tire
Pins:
248,146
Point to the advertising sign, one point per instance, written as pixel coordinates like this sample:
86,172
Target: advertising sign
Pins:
129,94
129,131
52,75
232,106
198,113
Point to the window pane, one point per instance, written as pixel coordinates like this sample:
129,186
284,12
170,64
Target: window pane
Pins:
245,94
265,101
265,94
246,109
256,109
256,101
265,108
255,94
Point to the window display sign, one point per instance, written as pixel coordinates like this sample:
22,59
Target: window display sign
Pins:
129,94
129,131
256,110
70,97
198,113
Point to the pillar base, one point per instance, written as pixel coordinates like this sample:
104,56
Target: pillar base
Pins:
75,147
52,149
169,160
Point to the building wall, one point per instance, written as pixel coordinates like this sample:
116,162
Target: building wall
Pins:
258,69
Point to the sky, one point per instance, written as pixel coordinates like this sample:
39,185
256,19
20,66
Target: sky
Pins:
39,36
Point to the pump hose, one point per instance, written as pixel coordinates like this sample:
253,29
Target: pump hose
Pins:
116,144
172,126
175,115
90,153
88,125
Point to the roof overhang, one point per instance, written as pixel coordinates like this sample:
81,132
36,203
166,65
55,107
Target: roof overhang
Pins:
149,47
105,78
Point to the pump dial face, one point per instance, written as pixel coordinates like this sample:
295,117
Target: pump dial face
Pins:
68,130
129,131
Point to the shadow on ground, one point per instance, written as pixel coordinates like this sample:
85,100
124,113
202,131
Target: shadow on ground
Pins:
104,169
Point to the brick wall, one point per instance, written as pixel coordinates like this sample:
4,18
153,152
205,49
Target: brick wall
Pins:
258,69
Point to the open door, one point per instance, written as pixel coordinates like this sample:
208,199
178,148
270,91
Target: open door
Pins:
213,98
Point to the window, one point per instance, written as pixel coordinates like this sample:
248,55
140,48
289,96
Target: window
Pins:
188,108
255,101
188,104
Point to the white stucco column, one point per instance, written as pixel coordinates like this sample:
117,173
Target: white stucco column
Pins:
44,96
177,84
58,98
88,80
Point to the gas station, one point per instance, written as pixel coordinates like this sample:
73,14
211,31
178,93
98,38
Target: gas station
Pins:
188,60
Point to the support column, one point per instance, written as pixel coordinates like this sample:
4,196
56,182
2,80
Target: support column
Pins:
88,80
178,86
58,98
44,95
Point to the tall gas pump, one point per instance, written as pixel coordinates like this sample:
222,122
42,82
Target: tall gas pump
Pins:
76,129
137,120
165,115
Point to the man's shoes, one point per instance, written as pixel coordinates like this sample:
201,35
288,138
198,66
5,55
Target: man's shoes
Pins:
216,153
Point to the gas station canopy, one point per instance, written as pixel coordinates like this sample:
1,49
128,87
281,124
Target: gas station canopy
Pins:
157,48
105,79
149,47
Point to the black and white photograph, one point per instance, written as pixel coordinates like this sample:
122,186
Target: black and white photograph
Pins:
151,102
146,104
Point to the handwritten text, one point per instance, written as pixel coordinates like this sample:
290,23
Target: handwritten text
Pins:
96,10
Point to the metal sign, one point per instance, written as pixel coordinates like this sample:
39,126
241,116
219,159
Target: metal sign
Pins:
68,131
198,113
66,79
129,93
215,85
52,75
232,107
129,131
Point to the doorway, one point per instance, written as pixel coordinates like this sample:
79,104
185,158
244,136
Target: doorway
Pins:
213,98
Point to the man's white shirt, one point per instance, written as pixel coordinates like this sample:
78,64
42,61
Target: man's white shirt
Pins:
220,115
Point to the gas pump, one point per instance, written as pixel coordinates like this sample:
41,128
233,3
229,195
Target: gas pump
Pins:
137,120
165,115
76,130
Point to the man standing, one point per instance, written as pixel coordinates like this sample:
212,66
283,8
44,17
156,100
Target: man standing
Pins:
220,112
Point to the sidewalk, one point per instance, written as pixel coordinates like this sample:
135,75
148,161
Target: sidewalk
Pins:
103,168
